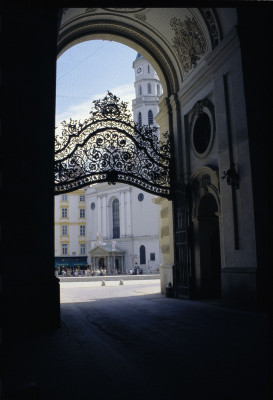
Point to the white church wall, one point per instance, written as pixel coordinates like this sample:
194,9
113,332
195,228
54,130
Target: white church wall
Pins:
144,213
139,220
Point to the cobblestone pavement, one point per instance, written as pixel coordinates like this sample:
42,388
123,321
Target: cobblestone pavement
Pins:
130,342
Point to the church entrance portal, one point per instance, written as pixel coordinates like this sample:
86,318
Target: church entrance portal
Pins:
209,242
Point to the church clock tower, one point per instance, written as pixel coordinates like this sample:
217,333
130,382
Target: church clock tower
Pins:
148,90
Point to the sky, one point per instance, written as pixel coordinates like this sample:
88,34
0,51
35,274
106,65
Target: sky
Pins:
86,71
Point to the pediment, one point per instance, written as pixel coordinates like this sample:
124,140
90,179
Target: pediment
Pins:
99,251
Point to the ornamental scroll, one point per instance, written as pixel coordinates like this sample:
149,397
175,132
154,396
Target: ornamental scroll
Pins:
110,147
188,42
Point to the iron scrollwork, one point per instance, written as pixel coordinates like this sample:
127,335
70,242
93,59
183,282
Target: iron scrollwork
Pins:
110,147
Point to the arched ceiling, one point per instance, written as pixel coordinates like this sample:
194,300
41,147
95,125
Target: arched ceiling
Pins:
173,40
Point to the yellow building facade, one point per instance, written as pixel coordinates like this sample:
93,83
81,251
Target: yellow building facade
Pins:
70,230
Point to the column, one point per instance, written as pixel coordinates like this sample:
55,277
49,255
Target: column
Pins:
122,214
104,216
128,213
99,214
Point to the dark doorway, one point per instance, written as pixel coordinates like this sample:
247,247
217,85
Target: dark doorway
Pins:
101,262
209,239
142,254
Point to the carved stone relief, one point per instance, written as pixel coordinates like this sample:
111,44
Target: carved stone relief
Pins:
205,180
188,42
91,10
124,10
213,27
141,17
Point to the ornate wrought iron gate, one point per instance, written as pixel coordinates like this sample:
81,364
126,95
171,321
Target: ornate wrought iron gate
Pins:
110,147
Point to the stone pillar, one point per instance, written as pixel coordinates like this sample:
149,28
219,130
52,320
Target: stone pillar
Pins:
99,214
122,264
166,241
104,216
122,214
128,213
165,212
29,288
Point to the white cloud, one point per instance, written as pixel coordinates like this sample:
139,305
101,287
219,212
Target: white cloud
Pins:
81,111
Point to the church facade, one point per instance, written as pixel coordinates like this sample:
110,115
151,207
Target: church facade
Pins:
123,217
122,229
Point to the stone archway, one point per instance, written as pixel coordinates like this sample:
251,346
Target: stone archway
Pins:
189,35
26,286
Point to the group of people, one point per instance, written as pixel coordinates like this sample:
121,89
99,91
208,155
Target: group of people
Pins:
136,270
84,272
77,271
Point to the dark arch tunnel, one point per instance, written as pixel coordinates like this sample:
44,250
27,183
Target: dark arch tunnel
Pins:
30,291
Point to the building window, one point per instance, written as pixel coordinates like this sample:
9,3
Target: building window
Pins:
148,69
64,249
149,88
82,213
150,117
139,119
93,205
115,210
82,248
64,230
82,197
140,197
142,255
64,197
158,90
64,212
82,230
152,256
140,90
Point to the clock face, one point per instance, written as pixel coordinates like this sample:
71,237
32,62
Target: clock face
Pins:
139,70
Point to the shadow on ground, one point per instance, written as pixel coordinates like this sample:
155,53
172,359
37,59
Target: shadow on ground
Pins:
147,347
